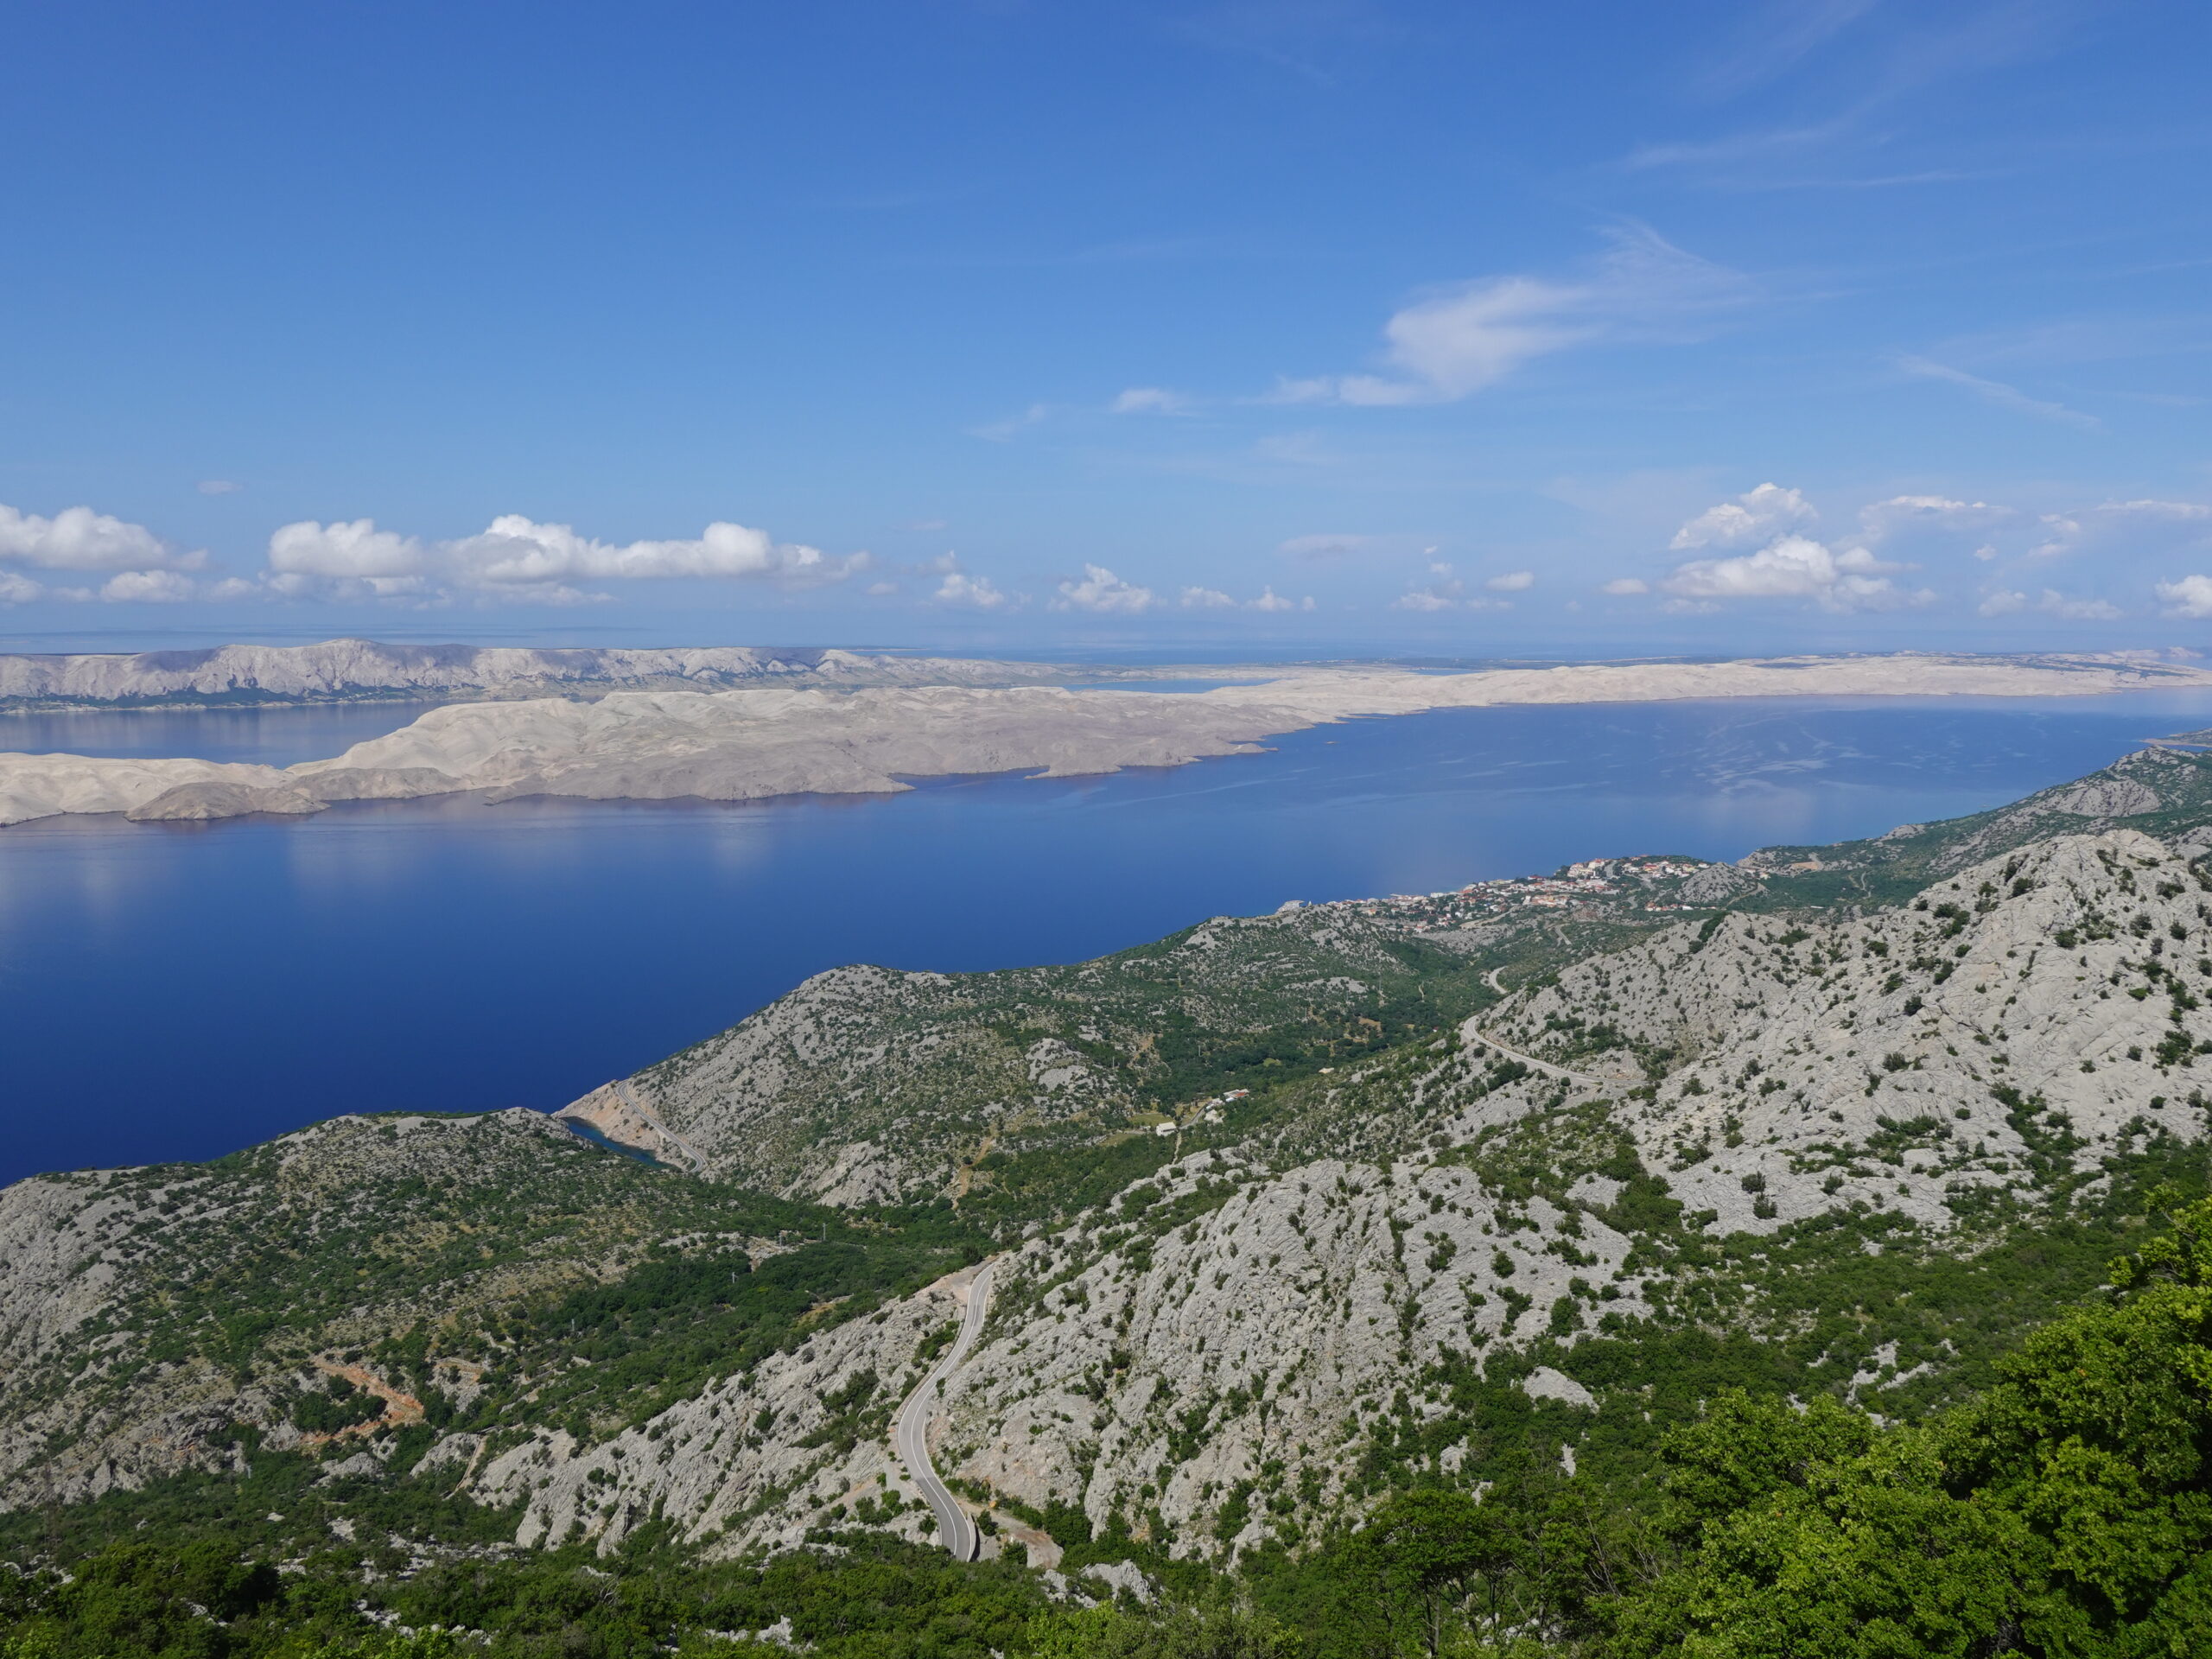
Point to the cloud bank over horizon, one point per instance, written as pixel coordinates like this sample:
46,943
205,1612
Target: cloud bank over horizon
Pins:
1772,551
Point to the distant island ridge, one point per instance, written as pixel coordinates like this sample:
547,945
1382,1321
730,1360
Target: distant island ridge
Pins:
739,723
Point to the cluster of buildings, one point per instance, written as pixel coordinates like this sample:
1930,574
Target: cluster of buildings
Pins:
1593,879
1209,1110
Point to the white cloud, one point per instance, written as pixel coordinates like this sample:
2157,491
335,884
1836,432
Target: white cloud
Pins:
877,590
1326,546
219,486
1462,338
146,587
2174,512
18,591
1795,566
1900,514
1102,591
1621,587
2092,610
1513,582
1752,517
1423,599
2187,596
354,549
1995,391
979,592
517,559
1212,599
76,539
1447,593
2001,601
1150,400
515,550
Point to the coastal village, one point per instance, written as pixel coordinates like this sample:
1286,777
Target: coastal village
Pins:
1575,884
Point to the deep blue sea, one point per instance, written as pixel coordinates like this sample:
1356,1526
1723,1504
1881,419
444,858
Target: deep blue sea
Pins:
177,991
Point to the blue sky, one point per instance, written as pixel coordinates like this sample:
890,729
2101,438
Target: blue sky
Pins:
1474,329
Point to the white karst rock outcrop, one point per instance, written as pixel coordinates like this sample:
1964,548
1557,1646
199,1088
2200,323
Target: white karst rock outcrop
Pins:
1131,1373
1814,1063
1277,1325
355,668
1212,1351
750,744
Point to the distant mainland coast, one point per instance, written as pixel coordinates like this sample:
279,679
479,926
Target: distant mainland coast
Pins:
736,724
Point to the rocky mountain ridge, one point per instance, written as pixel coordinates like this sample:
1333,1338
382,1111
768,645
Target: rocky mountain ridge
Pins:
355,669
1505,1204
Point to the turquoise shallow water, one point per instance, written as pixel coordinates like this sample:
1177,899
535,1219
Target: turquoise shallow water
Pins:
176,991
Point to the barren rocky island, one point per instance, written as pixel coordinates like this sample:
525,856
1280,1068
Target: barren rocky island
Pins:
853,725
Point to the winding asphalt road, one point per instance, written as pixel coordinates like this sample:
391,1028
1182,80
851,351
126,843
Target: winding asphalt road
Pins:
910,1432
1468,1033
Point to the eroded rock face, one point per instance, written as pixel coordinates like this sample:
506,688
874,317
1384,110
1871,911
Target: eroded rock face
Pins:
199,802
2069,972
1147,1374
337,669
1252,1321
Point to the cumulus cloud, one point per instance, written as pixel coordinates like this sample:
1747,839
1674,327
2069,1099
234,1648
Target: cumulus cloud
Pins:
1621,587
1212,599
515,550
18,591
1512,582
1795,567
1448,592
346,549
1752,516
76,539
1462,338
1900,514
1424,599
1102,591
2187,596
976,592
517,559
146,587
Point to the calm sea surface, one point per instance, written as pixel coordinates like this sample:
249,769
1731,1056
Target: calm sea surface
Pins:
177,991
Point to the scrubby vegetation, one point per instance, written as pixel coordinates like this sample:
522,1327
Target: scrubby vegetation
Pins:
2061,1511
1941,1384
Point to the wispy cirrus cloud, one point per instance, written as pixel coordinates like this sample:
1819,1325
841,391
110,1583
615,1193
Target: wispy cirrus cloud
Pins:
1464,338
1774,39
1995,391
